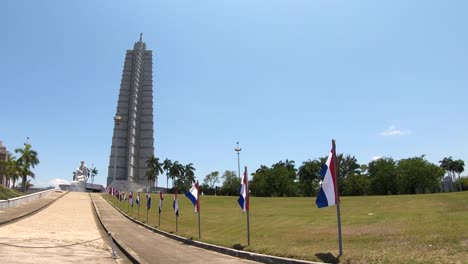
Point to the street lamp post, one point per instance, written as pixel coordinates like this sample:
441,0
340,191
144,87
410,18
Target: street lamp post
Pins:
238,150
117,119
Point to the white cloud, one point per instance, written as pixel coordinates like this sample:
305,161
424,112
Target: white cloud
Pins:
56,182
393,131
376,157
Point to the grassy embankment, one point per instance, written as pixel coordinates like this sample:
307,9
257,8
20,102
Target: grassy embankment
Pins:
7,193
376,229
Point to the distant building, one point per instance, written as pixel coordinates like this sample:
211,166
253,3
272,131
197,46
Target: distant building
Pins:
447,184
3,157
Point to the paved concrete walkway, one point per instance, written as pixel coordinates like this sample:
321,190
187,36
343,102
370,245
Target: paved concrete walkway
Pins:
59,229
149,247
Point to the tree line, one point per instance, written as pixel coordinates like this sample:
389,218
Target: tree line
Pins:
15,168
182,176
384,176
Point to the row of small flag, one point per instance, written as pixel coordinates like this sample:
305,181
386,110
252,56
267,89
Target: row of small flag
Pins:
122,196
327,196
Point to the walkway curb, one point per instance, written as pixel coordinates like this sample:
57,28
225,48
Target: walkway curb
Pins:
127,251
14,219
220,249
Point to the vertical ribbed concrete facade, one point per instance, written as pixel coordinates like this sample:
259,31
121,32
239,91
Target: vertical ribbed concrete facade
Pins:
134,135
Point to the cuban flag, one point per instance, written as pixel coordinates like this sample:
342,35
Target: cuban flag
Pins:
161,198
327,195
244,193
175,204
193,196
137,201
148,201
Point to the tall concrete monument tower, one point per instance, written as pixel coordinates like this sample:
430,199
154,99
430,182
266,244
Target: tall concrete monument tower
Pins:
133,141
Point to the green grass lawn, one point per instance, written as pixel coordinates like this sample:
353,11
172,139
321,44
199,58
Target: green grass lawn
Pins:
376,229
7,193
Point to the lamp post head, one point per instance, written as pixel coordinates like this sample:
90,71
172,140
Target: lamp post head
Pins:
237,148
117,119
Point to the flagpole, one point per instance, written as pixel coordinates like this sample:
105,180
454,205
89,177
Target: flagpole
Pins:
147,209
198,210
248,209
176,203
338,210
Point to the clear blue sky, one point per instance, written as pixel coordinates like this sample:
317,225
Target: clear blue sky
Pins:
384,78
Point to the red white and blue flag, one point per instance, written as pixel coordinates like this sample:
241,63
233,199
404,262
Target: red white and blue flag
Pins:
328,194
175,204
161,198
244,193
148,201
193,195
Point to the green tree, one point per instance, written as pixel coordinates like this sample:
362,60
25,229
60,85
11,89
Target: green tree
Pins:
28,158
154,170
10,169
211,180
448,165
28,184
309,177
189,172
417,175
383,176
347,166
93,172
356,184
186,177
231,183
277,181
175,172
167,164
458,167
463,182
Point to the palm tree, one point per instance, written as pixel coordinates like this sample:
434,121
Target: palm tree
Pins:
2,171
459,167
189,172
11,170
28,158
262,169
167,164
28,184
154,169
447,164
93,172
176,171
290,165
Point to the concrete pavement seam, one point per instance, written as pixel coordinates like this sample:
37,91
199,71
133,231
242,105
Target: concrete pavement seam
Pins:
133,259
223,250
14,219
